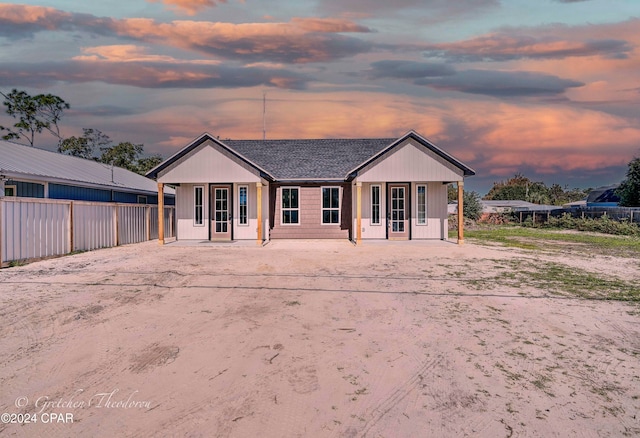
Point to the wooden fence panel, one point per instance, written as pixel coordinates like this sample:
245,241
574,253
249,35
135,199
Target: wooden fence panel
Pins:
93,226
32,228
132,224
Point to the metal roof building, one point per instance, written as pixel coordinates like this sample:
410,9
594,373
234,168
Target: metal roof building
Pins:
31,172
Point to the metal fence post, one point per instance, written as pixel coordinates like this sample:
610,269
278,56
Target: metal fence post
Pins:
1,229
71,243
117,225
148,218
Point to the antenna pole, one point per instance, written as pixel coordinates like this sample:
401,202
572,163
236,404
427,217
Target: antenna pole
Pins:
264,115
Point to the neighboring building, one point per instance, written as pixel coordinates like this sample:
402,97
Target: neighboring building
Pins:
26,171
603,197
343,189
505,206
575,204
512,206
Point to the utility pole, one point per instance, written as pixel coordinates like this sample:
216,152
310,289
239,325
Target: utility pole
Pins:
264,115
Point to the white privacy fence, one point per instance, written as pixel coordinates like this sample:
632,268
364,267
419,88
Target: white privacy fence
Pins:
34,228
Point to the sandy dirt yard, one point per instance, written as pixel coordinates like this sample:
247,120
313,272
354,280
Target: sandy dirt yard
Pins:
314,339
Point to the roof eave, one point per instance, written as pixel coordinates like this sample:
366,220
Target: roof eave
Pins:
80,183
309,180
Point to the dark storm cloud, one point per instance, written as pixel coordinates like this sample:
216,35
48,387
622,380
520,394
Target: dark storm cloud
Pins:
486,82
148,75
429,10
408,70
501,83
285,49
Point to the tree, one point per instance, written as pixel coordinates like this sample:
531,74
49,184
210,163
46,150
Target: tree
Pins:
128,156
123,154
145,164
519,188
34,114
85,146
471,208
629,189
75,146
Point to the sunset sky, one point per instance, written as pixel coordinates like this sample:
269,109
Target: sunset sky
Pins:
548,88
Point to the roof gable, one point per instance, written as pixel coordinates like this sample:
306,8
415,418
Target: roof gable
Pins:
194,147
209,162
410,162
421,143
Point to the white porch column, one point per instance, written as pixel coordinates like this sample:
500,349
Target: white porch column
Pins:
359,212
161,213
460,212
259,211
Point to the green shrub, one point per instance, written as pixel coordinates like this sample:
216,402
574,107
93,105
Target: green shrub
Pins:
601,225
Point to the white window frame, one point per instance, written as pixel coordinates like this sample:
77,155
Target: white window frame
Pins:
323,209
379,187
246,206
283,209
424,220
195,206
15,190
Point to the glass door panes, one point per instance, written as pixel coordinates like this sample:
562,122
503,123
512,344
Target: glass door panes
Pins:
397,209
221,212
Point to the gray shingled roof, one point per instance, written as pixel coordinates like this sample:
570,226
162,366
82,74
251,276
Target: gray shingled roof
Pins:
319,159
18,160
310,160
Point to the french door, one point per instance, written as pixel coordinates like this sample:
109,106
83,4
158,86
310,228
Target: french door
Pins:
398,211
221,217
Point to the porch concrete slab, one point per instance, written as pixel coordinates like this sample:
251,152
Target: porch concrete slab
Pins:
296,244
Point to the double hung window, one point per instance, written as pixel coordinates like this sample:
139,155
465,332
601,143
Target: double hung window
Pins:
290,205
330,205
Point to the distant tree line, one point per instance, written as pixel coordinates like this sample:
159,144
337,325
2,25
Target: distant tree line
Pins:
519,187
35,114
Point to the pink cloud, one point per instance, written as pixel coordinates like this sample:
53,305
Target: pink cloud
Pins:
300,40
20,14
129,53
545,42
190,7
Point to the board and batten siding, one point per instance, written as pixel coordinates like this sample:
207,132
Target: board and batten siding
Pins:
310,211
185,212
250,231
437,222
410,162
369,229
209,162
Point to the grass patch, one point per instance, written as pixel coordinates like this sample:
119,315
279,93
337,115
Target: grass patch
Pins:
559,279
16,263
539,239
